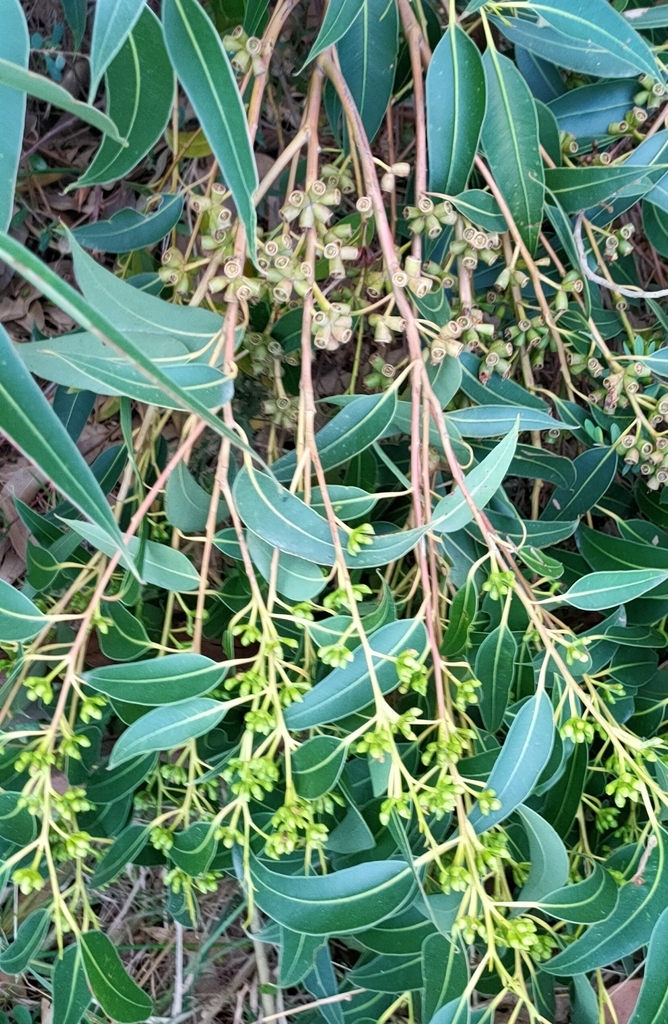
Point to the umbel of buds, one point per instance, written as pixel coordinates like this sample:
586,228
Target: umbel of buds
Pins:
332,327
245,52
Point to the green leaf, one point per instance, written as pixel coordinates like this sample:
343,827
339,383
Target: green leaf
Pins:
116,992
14,48
316,766
462,613
69,300
106,786
594,472
114,20
655,227
599,25
535,463
168,680
321,983
296,957
20,619
401,973
598,44
652,1004
523,756
126,637
122,852
296,579
128,229
135,312
493,420
71,995
511,144
187,504
17,824
453,513
494,667
361,422
13,76
162,566
600,590
455,101
167,728
548,859
31,424
285,522
585,902
347,502
204,70
579,188
368,59
561,803
481,208
628,927
352,834
140,92
588,111
339,17
194,848
444,973
346,901
75,14
347,690
15,958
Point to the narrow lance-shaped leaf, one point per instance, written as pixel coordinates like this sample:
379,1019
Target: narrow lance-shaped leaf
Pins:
207,77
345,901
523,756
600,590
511,143
31,424
455,100
118,995
368,58
15,48
652,1005
20,619
339,17
114,20
165,728
139,88
71,995
16,77
69,300
453,512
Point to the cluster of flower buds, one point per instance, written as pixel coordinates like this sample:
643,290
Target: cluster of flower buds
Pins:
312,209
382,374
627,126
332,327
337,255
618,243
651,92
389,179
216,219
234,283
174,272
337,177
650,457
466,330
429,217
476,245
413,278
245,52
568,143
263,351
282,411
385,327
530,332
618,386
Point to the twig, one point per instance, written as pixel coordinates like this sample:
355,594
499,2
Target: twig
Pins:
630,293
342,997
